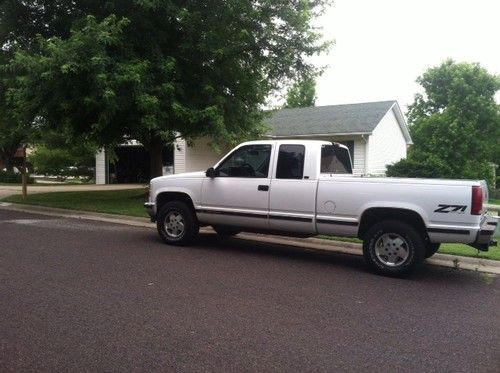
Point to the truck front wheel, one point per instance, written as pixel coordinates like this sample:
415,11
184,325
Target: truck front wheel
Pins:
177,224
393,248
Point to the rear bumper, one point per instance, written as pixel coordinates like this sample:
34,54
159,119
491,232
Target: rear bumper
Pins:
151,210
484,238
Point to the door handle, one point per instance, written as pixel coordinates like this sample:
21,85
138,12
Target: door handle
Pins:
263,188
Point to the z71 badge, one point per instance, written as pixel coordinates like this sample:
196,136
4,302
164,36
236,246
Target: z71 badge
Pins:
446,209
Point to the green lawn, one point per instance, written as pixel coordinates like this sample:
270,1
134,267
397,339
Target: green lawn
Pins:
130,202
494,201
447,248
122,202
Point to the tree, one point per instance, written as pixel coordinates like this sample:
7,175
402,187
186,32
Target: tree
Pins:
302,93
455,124
57,154
14,130
154,70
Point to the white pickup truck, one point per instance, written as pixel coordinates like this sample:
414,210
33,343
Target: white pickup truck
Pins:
306,188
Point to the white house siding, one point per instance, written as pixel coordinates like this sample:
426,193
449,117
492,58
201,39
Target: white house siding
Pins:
197,157
358,167
180,156
387,145
100,167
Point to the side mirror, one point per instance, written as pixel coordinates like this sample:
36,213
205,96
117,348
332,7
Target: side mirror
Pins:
211,173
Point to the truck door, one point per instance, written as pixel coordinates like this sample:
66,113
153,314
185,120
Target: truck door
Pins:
293,194
239,193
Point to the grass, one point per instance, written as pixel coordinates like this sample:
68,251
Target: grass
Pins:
130,202
123,202
494,201
447,248
464,250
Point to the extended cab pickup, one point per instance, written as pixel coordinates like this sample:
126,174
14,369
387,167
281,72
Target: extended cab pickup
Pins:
306,188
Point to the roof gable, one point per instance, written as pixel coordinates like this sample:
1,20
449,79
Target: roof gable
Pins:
333,119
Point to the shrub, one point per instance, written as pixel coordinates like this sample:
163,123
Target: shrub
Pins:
11,177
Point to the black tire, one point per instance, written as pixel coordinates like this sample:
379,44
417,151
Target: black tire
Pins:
179,231
393,248
431,249
225,231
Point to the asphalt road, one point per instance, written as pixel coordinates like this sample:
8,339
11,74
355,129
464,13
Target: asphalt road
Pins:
88,296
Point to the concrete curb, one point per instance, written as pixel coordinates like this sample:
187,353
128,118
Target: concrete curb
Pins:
317,244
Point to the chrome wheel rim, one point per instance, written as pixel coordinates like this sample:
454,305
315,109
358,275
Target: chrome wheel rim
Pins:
392,249
174,224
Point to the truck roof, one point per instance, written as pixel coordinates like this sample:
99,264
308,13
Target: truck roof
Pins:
290,141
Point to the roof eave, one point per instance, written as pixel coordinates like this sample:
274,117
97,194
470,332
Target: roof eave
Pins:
402,122
319,134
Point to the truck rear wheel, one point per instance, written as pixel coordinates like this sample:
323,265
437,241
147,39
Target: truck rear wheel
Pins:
177,224
393,248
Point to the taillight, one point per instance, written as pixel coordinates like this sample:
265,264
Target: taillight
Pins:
477,200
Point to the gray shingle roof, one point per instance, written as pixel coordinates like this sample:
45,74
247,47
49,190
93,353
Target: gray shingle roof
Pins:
333,119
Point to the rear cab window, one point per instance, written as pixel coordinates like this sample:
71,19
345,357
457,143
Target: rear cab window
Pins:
335,159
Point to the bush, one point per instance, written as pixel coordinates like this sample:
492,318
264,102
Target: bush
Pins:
413,168
11,177
437,169
62,162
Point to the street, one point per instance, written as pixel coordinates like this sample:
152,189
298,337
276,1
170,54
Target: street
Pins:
77,295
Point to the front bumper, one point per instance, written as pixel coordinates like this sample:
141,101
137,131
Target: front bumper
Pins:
151,210
484,236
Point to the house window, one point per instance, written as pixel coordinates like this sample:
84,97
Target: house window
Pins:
247,161
290,162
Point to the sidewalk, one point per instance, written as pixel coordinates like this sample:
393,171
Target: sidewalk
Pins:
314,244
9,190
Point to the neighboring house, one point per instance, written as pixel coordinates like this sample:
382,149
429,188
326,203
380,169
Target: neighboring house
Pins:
375,132
17,159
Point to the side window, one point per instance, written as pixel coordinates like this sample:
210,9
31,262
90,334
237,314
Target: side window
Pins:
247,161
335,160
290,162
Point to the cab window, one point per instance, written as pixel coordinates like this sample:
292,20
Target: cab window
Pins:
247,161
335,160
290,162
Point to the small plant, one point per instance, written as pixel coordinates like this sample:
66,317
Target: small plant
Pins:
14,178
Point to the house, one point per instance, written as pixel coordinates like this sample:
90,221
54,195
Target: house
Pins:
375,132
17,160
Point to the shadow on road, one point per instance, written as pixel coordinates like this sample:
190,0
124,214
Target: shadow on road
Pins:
337,261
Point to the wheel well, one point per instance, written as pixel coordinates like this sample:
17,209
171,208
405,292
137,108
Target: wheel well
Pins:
375,215
165,197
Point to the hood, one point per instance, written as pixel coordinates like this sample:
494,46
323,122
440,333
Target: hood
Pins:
185,175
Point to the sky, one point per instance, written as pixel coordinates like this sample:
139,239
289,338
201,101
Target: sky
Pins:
382,46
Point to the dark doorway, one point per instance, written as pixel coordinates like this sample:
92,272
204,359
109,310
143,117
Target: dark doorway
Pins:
132,164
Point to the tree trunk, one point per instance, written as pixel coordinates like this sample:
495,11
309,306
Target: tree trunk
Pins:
24,175
156,157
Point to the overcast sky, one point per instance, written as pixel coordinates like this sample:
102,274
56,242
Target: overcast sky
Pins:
382,46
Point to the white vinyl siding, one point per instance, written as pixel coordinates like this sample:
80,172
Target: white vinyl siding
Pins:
197,157
100,167
387,145
180,156
358,167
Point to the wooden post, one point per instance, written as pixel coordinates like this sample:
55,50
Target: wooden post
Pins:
24,177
